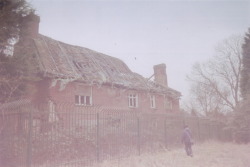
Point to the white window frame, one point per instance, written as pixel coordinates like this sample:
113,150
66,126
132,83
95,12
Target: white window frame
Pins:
133,100
152,101
81,100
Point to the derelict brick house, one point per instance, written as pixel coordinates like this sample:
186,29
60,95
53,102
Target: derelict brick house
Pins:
83,77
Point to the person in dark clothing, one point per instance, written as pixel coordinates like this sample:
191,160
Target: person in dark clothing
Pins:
187,140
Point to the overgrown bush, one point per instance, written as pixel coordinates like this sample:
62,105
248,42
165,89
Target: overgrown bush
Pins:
241,123
62,146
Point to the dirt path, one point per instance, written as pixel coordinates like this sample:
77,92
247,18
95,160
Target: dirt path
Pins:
210,154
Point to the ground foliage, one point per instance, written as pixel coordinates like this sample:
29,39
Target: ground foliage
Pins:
209,154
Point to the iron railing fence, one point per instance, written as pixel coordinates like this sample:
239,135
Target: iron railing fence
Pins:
80,136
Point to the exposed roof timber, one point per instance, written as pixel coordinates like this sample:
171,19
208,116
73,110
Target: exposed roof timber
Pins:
67,62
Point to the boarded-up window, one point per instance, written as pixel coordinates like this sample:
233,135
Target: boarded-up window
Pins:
168,104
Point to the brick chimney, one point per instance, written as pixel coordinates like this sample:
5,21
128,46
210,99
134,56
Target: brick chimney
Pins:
33,25
160,74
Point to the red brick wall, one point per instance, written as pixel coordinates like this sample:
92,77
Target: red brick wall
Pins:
106,96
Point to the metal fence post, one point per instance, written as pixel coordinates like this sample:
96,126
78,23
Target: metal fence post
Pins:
29,141
209,130
97,138
138,136
165,133
199,129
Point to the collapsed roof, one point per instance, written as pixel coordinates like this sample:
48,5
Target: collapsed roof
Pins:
64,61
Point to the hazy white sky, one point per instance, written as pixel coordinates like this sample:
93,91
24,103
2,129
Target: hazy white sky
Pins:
144,33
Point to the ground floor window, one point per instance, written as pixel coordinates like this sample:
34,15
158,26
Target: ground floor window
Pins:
52,112
168,104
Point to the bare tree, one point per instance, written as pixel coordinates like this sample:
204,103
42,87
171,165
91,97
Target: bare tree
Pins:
215,83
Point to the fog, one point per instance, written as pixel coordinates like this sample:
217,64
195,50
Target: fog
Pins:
144,33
